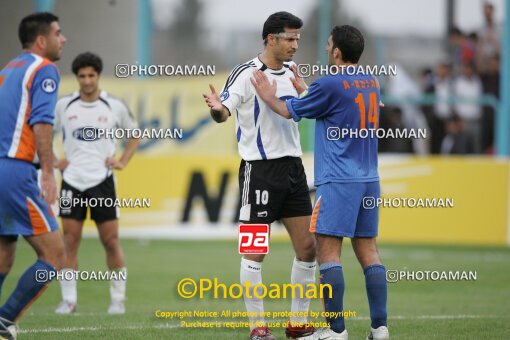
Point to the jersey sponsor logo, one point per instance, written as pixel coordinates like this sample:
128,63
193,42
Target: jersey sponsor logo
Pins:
253,239
224,96
85,133
49,85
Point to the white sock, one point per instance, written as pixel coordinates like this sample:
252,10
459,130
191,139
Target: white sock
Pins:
252,271
303,273
68,287
118,286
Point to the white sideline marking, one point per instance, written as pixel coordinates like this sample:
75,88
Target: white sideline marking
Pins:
442,317
170,326
93,329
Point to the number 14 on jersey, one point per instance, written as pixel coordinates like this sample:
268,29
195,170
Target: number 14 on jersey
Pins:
372,110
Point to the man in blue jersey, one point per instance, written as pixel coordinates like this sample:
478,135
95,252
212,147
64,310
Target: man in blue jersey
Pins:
28,94
345,174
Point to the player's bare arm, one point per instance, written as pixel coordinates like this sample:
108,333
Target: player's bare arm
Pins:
60,164
44,145
267,92
131,146
218,112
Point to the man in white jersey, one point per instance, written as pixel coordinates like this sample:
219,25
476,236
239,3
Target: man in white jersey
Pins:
272,179
87,172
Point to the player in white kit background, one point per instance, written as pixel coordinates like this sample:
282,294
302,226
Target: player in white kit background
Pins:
87,172
272,179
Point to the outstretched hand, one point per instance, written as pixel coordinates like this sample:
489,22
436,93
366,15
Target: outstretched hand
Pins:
298,81
265,90
213,100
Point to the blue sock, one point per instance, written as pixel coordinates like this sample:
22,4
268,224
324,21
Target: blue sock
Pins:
2,278
332,274
377,292
30,285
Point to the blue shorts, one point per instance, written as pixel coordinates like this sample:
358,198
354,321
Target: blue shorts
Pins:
22,208
339,210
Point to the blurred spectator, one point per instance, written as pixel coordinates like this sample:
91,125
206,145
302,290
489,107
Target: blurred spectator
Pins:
490,86
402,87
488,39
463,47
472,42
467,87
457,141
427,80
428,88
442,109
391,119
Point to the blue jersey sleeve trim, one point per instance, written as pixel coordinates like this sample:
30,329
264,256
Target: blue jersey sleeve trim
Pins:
292,112
41,120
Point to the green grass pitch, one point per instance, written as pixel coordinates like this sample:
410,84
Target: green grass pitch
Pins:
417,310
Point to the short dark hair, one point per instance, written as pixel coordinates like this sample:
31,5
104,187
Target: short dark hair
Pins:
87,59
454,118
349,41
454,30
277,22
34,25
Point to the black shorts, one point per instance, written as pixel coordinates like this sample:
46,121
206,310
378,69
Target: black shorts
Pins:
78,210
273,189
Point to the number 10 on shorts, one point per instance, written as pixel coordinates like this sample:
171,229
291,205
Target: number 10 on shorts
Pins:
253,239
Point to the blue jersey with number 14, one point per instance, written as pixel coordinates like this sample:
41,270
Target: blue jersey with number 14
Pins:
342,105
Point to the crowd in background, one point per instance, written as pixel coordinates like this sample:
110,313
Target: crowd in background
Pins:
464,125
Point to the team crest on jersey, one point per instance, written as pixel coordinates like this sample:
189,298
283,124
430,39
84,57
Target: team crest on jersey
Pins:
48,85
224,95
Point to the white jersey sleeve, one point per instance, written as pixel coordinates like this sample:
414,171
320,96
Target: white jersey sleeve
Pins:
59,109
59,112
125,118
237,87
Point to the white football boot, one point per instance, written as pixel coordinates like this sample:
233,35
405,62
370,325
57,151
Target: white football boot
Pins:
326,334
381,333
66,308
